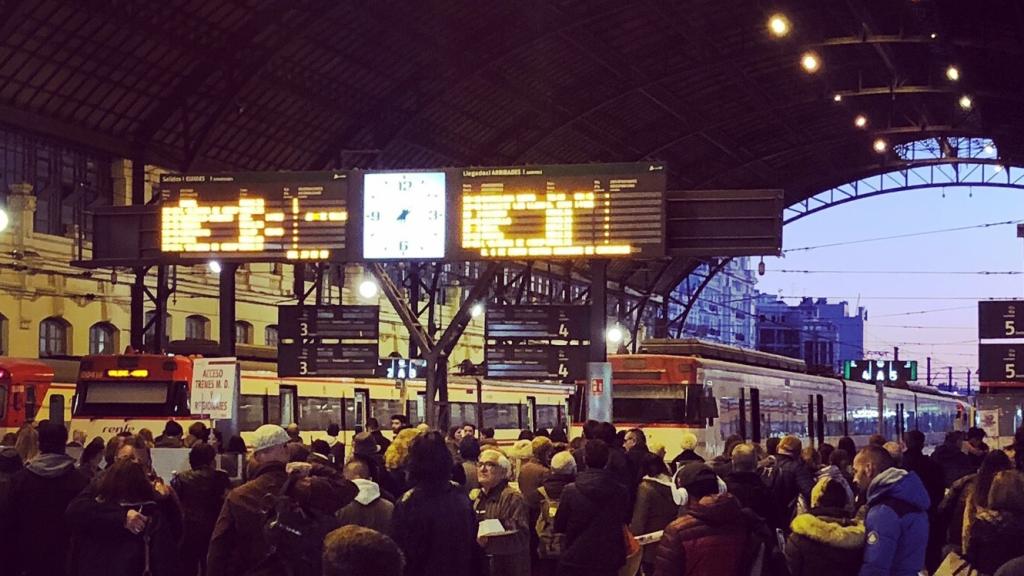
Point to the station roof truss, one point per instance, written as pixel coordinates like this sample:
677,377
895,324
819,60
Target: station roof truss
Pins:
702,86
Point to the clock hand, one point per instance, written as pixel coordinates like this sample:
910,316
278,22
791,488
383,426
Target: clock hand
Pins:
403,215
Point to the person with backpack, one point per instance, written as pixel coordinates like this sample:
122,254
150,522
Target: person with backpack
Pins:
201,491
792,480
749,488
714,536
550,544
655,505
243,538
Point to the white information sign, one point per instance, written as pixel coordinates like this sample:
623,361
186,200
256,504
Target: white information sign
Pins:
213,387
988,420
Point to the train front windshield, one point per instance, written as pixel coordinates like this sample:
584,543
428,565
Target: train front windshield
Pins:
116,398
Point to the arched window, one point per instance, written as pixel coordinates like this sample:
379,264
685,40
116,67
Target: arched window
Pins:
243,332
197,327
103,338
151,331
54,337
270,335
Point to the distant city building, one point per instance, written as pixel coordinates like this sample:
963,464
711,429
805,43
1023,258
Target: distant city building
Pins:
820,333
725,309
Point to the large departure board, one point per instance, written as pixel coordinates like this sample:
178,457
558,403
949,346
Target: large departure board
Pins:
588,210
328,340
249,216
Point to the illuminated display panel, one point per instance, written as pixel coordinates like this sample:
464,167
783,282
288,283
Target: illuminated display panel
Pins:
600,210
404,215
255,216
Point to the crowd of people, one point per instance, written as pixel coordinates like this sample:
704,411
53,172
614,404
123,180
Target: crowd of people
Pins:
455,503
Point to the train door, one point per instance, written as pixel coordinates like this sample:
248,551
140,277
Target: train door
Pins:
360,408
289,404
531,413
56,412
755,415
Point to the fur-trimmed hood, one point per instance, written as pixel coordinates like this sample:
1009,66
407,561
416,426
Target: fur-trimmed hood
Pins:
837,532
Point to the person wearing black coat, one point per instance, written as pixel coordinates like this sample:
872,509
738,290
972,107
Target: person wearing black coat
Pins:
39,494
10,463
201,492
933,479
592,514
825,540
434,523
747,486
794,478
124,525
950,456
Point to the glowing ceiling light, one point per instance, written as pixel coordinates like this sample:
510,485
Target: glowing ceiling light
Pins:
953,73
810,62
860,121
837,98
880,145
368,289
214,266
933,35
779,25
4,220
998,168
477,310
615,334
989,149
965,102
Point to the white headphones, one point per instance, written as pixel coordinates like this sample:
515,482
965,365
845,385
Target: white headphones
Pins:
682,497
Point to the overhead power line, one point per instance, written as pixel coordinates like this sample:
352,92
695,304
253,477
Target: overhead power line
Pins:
907,235
929,311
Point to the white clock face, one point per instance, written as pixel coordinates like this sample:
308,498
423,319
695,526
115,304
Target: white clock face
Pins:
404,215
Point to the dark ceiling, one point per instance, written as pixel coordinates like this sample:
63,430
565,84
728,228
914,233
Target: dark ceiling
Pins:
698,84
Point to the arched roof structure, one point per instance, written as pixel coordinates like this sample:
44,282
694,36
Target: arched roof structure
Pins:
701,85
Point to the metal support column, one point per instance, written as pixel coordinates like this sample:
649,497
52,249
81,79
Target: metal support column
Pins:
299,283
138,181
598,309
138,309
414,302
160,317
226,299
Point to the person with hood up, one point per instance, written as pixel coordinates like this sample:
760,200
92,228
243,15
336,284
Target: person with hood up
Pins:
897,515
747,486
833,471
960,506
998,530
508,554
655,505
433,523
39,494
825,540
688,444
592,513
714,535
369,509
239,544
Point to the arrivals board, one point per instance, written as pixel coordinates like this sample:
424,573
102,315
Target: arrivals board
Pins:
1000,319
1001,362
547,322
255,216
556,363
588,210
328,340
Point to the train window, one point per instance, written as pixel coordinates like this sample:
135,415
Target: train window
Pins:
416,409
3,402
318,413
120,392
56,408
649,411
547,417
274,409
501,416
250,412
463,413
383,409
30,402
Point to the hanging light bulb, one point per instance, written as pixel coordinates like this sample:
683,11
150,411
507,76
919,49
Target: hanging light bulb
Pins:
760,267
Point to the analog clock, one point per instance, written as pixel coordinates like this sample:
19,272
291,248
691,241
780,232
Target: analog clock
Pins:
404,215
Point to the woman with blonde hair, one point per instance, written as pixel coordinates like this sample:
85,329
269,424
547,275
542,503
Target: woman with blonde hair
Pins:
27,443
396,462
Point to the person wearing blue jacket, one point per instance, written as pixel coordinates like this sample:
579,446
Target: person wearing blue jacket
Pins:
897,515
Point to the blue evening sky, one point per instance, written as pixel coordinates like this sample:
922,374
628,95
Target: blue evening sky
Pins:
946,329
